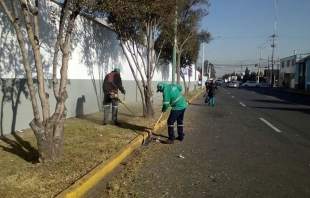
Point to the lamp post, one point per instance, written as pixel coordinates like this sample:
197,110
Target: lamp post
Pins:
174,57
203,64
195,68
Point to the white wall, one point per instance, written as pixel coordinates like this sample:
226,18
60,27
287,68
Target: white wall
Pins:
95,51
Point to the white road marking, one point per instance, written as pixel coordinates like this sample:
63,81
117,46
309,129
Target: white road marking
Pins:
242,104
232,96
273,127
227,92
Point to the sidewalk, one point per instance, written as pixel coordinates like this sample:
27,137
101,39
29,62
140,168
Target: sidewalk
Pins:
83,185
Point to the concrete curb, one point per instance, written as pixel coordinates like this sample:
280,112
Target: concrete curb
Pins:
83,185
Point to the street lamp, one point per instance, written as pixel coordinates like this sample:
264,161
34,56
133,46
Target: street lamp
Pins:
203,64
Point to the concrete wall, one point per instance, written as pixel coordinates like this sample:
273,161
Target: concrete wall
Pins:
95,51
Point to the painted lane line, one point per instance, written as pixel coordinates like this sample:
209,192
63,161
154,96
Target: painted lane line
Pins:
227,92
273,127
242,104
232,96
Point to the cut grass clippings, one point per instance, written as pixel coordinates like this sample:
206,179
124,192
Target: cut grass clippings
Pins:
86,144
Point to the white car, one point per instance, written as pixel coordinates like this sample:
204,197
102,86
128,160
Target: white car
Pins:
250,84
264,84
233,84
219,81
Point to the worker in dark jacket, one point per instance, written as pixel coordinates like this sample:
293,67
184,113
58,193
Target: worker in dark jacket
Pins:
111,84
172,97
211,92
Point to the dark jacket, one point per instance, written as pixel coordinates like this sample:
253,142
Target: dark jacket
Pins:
212,88
112,81
207,83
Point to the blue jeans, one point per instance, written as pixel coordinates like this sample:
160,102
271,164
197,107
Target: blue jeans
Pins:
212,100
175,115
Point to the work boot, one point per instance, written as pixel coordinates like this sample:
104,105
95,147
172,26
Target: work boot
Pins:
168,141
180,138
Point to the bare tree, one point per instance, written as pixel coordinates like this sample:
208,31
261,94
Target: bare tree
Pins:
138,25
48,129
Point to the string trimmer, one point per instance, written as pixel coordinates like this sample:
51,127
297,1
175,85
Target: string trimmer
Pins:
123,102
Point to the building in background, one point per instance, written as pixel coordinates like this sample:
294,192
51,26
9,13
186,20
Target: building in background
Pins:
302,74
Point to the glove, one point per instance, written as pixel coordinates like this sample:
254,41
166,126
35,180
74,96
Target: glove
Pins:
124,92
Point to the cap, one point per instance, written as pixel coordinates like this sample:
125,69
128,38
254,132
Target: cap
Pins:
160,86
117,69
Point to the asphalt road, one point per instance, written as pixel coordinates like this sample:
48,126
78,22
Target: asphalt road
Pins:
255,142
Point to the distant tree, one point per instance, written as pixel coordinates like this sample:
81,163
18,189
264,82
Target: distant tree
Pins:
246,74
190,14
24,17
185,34
213,72
253,76
225,76
138,26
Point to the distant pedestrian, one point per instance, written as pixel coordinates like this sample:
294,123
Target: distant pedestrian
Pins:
207,84
111,84
172,96
211,92
283,83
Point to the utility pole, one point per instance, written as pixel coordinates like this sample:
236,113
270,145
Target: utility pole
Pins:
209,69
272,57
195,67
268,71
174,57
273,45
260,62
203,63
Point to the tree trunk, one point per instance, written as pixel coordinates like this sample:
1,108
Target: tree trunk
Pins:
49,136
184,82
148,110
189,83
143,85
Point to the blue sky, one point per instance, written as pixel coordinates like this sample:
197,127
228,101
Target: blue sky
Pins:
242,29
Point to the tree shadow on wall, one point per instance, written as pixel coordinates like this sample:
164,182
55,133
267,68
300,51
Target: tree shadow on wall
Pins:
12,68
101,52
11,93
165,71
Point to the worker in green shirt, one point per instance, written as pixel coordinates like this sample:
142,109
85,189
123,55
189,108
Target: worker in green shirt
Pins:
172,96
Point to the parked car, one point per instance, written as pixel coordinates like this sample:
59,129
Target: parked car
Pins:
250,84
219,81
233,84
264,84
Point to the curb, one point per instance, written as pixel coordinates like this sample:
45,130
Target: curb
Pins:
85,184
